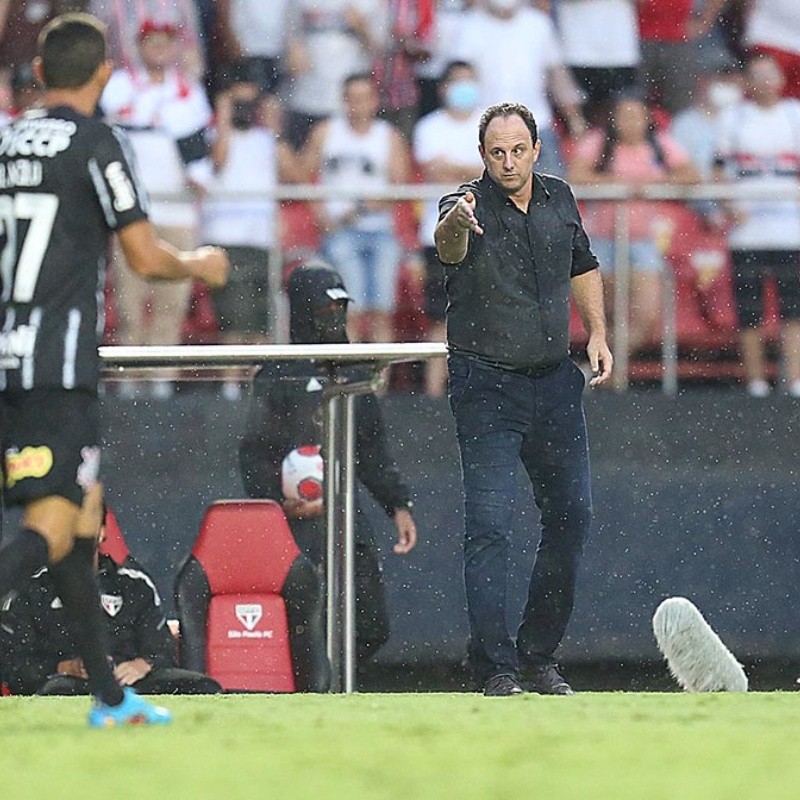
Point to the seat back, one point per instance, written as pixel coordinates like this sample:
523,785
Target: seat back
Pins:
114,546
245,549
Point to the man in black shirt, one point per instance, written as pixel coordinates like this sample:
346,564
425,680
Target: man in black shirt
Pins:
514,248
40,653
66,183
286,412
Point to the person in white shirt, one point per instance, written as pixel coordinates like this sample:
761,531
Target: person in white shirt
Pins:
758,146
327,40
531,68
358,151
773,28
255,38
446,149
166,116
600,43
251,159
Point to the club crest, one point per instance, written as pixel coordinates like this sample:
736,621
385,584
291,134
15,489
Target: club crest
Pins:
248,614
112,603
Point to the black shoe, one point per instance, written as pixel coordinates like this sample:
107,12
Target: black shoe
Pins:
546,679
501,686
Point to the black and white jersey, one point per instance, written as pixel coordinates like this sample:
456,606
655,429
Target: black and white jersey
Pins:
65,184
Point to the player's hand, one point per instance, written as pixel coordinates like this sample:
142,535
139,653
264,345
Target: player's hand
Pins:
464,211
73,667
303,509
212,266
600,360
129,672
406,531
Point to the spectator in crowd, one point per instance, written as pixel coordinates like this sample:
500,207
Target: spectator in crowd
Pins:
446,150
533,68
695,130
286,413
668,30
327,40
40,654
358,151
249,158
758,147
411,24
255,39
166,115
773,28
600,44
447,20
24,93
630,150
125,19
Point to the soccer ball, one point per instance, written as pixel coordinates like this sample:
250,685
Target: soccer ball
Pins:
302,474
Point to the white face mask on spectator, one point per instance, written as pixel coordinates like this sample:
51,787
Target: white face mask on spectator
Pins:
722,94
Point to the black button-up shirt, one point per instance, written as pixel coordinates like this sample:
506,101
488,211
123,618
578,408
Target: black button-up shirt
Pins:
508,300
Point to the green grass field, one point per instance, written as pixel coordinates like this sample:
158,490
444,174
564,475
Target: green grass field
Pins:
409,746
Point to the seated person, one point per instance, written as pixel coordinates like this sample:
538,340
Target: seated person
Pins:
40,653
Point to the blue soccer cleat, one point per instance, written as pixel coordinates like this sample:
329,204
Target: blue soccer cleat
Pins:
133,710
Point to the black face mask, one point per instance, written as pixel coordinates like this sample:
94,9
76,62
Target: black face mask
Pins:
331,324
244,114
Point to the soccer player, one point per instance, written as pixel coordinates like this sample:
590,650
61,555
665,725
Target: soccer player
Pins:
65,184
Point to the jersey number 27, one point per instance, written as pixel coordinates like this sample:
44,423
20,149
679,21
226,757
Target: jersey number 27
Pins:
19,279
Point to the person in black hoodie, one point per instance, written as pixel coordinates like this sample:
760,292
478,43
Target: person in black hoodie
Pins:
287,412
41,656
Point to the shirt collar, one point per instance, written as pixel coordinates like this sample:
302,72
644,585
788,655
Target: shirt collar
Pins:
539,195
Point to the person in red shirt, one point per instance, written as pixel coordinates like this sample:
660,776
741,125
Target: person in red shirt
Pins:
667,29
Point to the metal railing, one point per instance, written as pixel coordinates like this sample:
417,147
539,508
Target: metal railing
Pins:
625,193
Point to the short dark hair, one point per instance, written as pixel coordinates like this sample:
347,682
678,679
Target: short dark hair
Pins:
357,77
72,47
452,66
507,110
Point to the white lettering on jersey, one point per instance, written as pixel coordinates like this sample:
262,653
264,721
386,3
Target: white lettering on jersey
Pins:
21,172
17,344
41,138
121,187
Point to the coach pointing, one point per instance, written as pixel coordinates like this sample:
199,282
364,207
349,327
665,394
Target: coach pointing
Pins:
514,249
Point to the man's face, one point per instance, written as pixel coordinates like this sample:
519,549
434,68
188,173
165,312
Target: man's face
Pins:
509,153
158,50
766,80
330,322
361,101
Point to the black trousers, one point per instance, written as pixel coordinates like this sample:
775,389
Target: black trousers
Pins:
161,680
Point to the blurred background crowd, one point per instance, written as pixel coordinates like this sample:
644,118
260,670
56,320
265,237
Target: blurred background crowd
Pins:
226,102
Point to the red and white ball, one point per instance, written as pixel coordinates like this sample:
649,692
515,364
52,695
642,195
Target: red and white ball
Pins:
302,474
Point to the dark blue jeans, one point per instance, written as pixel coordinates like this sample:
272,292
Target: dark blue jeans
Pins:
503,417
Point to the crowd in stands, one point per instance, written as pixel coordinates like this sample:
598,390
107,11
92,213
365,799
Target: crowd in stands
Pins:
221,96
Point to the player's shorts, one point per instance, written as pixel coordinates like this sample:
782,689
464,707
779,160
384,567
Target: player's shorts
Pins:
750,269
50,444
242,305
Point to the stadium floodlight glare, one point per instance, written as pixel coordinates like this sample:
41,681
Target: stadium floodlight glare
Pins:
695,655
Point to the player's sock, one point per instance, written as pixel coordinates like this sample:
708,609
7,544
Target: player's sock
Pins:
20,558
76,584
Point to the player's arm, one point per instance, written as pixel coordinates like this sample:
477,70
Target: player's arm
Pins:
153,258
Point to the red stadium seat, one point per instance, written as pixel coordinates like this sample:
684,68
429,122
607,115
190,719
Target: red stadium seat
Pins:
114,545
250,603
